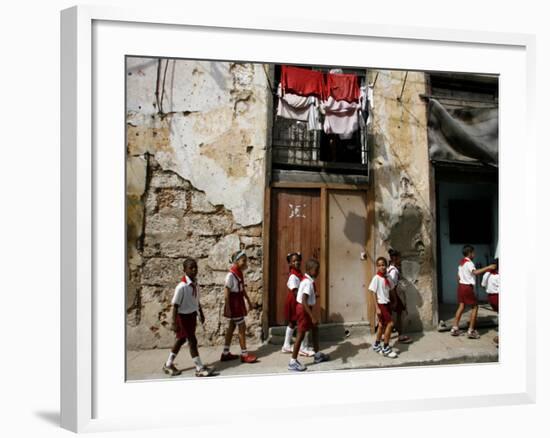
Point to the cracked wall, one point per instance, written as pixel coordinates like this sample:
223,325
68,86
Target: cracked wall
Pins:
404,218
195,178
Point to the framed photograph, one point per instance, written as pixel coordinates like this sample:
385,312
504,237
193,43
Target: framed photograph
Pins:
264,208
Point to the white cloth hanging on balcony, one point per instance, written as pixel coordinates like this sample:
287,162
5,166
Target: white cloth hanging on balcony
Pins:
341,117
301,108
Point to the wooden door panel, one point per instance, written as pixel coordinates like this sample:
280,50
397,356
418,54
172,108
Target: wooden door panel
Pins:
348,282
295,226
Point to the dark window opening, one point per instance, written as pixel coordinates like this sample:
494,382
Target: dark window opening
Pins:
456,89
294,147
470,221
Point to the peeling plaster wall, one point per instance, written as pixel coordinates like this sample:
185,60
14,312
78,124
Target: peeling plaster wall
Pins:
400,173
195,178
215,131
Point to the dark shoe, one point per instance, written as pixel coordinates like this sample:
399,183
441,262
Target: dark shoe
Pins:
228,356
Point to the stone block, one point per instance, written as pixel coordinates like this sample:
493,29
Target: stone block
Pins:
200,204
219,256
253,231
168,180
162,272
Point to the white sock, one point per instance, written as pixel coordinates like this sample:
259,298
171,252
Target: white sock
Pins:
288,337
170,360
305,342
244,352
292,360
198,363
226,349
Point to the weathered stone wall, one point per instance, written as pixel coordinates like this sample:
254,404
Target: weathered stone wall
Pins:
404,216
195,179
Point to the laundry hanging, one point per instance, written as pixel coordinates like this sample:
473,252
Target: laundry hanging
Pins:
302,81
343,87
341,117
301,108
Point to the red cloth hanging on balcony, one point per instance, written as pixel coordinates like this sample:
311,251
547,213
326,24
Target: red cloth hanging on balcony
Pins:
343,87
302,81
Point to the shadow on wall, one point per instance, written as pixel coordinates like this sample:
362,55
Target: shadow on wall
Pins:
354,222
414,301
408,236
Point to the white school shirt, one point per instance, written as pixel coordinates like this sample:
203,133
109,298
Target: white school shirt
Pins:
491,283
465,272
306,288
232,283
186,297
393,274
293,282
381,289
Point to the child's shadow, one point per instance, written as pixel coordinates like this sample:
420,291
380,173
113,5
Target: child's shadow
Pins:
261,351
401,347
346,350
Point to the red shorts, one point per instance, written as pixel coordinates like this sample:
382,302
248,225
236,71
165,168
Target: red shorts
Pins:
493,301
384,318
466,294
186,323
304,320
290,307
236,306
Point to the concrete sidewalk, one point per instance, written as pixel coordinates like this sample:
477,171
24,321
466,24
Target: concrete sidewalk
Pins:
428,348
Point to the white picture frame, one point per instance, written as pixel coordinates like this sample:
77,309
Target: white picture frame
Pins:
93,395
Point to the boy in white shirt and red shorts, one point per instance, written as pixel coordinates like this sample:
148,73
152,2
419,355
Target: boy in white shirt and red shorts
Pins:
466,294
306,321
186,306
381,285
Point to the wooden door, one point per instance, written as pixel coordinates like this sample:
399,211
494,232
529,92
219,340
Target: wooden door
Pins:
347,278
295,227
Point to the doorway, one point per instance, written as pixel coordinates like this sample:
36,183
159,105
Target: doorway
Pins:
295,227
467,213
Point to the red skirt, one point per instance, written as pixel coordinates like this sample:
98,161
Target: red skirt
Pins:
385,315
466,294
236,306
304,320
290,307
186,324
493,301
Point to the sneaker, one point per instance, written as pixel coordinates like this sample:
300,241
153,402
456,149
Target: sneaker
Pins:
320,357
388,352
473,334
377,347
228,356
307,353
248,358
286,349
204,372
455,331
171,370
296,366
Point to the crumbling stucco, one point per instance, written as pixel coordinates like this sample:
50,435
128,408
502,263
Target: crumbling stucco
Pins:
400,171
179,223
195,168
215,130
